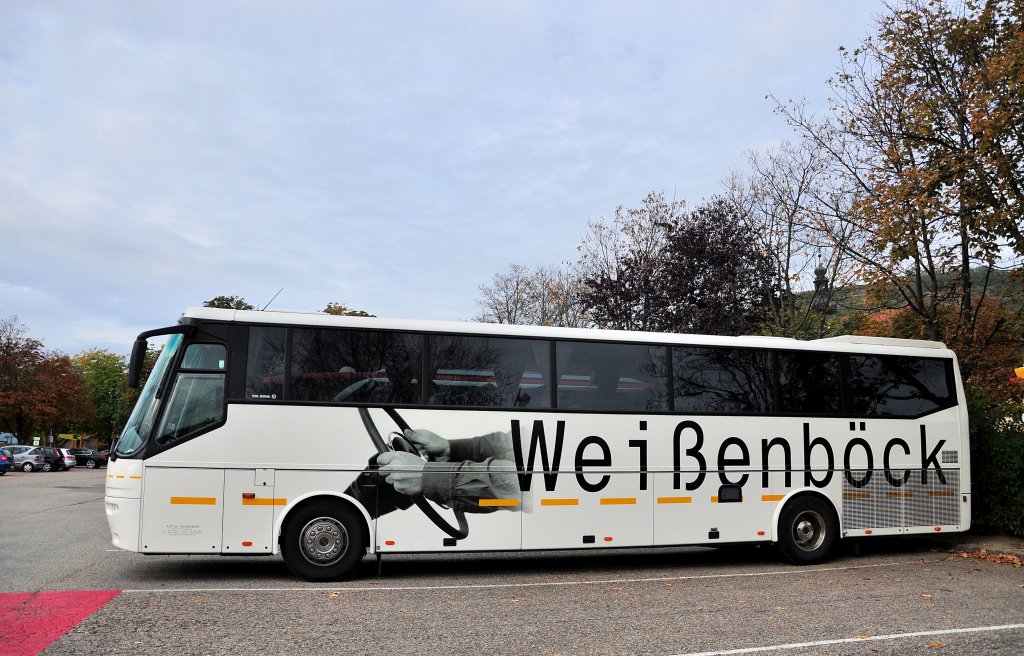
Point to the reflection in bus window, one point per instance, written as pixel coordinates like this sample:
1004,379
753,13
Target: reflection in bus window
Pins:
488,372
196,402
264,378
722,380
809,383
355,366
605,376
894,386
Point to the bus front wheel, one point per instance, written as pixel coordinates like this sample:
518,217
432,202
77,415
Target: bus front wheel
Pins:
808,530
323,541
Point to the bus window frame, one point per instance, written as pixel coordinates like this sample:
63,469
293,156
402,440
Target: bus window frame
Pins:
201,333
426,336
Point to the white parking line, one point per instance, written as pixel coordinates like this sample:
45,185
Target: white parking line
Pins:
840,641
486,586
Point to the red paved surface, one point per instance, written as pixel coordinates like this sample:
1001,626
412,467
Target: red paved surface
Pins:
33,620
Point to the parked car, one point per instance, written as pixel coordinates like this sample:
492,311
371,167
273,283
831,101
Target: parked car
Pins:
69,459
6,461
53,460
90,458
27,458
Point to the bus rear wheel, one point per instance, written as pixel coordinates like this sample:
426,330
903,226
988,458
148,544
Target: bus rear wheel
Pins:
323,541
808,530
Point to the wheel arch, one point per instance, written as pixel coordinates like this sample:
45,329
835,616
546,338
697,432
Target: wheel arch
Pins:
324,495
803,493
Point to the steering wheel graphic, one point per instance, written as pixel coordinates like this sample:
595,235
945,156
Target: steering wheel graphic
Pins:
400,443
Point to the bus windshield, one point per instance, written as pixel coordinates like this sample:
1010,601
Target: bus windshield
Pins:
141,422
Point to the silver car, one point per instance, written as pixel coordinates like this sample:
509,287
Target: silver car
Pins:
27,458
69,459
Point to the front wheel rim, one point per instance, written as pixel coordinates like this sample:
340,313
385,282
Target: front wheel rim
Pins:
323,541
809,530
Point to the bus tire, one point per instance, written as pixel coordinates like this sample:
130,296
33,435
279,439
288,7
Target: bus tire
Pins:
808,530
323,541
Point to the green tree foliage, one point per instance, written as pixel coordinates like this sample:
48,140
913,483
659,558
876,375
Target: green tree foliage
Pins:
229,303
104,375
342,310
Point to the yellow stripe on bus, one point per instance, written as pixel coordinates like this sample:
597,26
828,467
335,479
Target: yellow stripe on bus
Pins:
856,495
675,499
772,497
941,493
505,503
559,502
618,501
264,502
899,495
193,501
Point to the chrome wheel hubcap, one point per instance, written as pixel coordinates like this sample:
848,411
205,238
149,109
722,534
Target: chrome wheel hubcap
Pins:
809,530
324,541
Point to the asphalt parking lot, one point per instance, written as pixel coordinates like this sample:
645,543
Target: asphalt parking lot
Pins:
893,597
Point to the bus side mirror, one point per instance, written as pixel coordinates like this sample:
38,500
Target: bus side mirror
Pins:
136,362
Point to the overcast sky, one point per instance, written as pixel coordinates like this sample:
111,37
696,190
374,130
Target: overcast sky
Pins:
392,156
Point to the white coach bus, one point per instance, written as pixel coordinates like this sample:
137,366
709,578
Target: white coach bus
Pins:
323,438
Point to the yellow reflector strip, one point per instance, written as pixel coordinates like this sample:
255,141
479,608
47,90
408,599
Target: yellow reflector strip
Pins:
899,495
618,501
559,502
675,499
772,497
264,502
714,499
941,493
119,477
856,495
501,503
135,477
193,501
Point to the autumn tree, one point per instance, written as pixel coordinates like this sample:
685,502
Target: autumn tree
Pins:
229,303
342,310
21,398
925,128
39,391
543,296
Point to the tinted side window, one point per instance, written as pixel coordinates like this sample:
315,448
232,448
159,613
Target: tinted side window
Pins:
722,380
355,366
489,372
197,401
612,376
809,383
205,357
897,386
264,373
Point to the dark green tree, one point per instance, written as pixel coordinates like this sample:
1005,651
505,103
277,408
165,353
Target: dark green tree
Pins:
342,310
706,275
229,303
104,375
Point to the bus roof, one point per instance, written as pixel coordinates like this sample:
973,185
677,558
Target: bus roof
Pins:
844,343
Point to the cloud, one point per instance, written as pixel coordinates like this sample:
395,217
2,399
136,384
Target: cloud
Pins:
392,157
